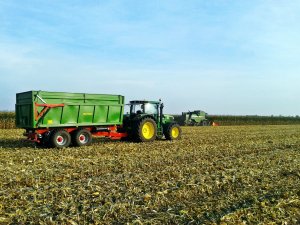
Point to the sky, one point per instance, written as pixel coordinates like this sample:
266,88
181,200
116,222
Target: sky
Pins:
226,57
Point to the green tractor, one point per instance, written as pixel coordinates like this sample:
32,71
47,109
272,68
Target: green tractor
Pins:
61,119
146,122
193,118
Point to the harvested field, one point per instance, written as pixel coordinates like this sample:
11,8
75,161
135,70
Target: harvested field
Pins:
214,175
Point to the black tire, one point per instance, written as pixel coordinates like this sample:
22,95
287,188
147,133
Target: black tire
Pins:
129,138
145,130
40,144
81,137
44,141
172,131
204,123
60,139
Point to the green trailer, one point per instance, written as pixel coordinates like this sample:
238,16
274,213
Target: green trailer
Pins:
40,109
58,119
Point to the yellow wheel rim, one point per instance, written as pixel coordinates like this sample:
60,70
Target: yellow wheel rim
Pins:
148,130
175,132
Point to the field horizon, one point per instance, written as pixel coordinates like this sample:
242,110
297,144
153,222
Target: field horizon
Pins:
7,120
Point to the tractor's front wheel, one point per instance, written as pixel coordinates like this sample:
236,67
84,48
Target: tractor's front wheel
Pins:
172,131
145,130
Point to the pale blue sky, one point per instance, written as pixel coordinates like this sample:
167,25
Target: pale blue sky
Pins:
221,56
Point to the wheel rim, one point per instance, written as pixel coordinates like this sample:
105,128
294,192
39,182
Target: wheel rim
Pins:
175,132
148,130
61,140
83,139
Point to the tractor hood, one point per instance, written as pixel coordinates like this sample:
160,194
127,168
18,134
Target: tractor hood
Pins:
168,118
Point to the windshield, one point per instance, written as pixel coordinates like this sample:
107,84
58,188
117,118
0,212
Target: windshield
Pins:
150,108
146,108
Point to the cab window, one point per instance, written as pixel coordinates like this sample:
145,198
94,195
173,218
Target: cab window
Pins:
150,108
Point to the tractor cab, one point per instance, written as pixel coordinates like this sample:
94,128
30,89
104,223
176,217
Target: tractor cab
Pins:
146,121
144,107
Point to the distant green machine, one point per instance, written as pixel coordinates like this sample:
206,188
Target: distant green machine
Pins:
193,118
59,119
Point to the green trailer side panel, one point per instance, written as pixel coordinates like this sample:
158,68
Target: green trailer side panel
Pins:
79,109
53,117
70,114
86,113
114,114
101,112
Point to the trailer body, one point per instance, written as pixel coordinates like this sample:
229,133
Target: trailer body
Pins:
42,109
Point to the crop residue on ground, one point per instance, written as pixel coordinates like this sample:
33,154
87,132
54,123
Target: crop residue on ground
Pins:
229,175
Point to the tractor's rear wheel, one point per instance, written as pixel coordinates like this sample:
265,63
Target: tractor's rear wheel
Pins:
172,131
81,137
60,139
145,130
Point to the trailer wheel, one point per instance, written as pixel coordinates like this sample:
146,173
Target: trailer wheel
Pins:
44,141
145,130
81,137
40,144
172,131
60,139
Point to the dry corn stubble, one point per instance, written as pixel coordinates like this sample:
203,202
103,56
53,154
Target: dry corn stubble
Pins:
229,175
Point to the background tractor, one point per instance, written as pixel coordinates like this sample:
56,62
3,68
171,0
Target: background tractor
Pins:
193,118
